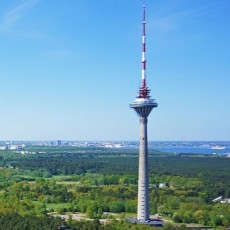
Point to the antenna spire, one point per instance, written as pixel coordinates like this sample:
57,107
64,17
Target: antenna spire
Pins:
143,90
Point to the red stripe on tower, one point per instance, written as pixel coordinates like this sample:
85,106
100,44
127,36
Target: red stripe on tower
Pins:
143,47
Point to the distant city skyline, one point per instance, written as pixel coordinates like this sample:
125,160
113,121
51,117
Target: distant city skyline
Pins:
68,69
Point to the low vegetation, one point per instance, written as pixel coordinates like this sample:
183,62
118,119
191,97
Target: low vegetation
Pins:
98,181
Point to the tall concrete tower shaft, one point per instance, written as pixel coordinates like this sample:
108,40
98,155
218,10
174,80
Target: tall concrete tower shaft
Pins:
143,106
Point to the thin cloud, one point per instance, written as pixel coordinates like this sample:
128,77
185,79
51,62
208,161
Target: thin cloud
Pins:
58,54
13,16
178,19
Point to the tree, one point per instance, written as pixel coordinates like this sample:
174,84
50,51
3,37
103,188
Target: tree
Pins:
178,217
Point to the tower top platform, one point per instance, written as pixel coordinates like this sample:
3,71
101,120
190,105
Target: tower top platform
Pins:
145,101
143,106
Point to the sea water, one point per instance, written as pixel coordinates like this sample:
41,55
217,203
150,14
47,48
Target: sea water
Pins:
197,147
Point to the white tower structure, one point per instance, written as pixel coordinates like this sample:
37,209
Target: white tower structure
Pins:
143,106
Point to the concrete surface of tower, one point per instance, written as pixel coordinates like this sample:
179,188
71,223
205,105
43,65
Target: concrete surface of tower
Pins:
143,105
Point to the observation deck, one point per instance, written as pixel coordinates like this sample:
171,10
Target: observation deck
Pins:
143,106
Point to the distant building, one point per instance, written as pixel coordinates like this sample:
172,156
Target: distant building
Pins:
162,185
218,199
12,147
59,142
2,147
225,201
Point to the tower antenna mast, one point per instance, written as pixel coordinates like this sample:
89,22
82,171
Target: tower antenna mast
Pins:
143,90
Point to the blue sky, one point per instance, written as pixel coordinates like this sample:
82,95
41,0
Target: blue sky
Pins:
70,69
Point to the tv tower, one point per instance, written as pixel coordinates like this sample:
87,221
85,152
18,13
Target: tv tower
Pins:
143,106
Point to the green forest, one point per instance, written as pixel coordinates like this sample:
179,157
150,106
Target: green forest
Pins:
41,183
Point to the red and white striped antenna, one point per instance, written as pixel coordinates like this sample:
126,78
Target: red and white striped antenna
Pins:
143,90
